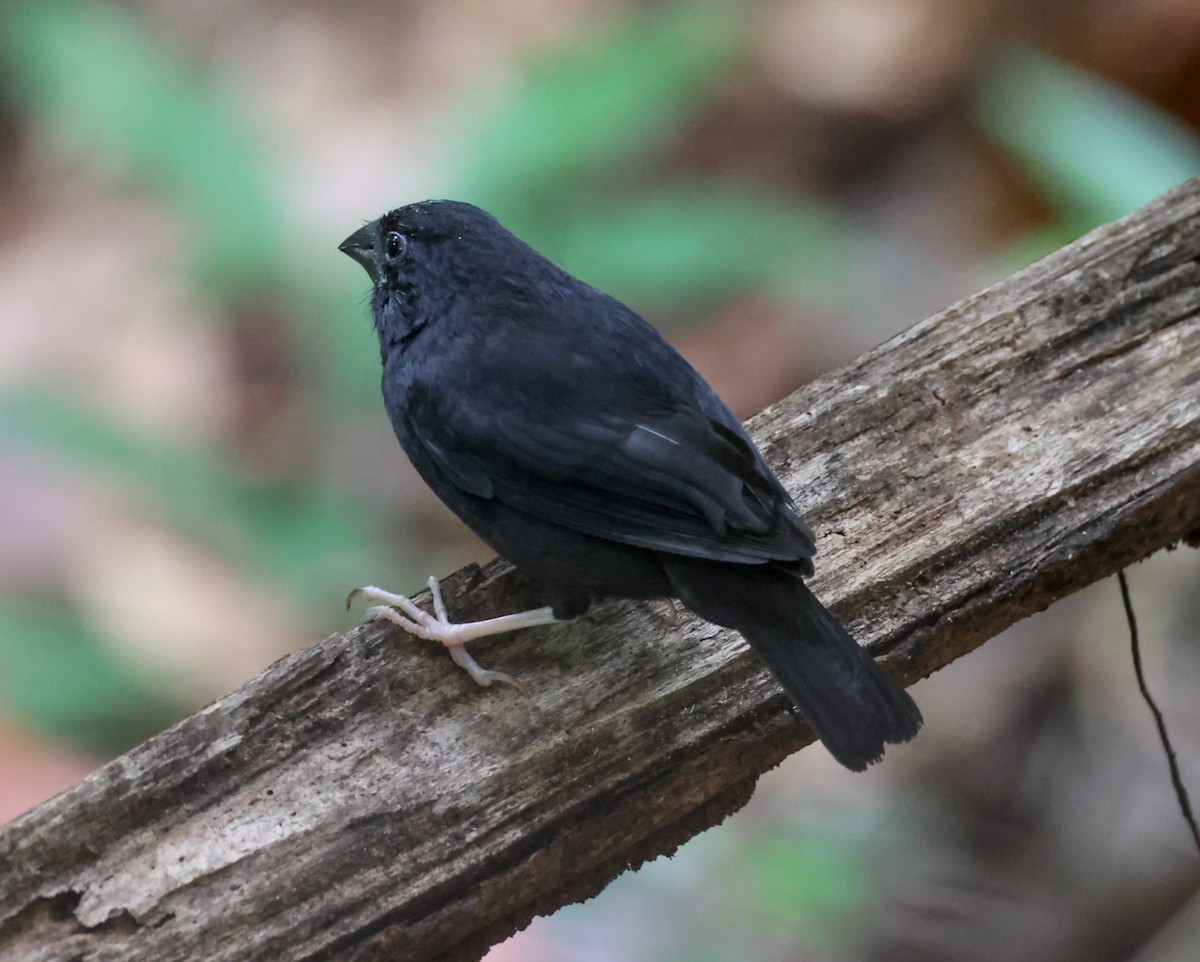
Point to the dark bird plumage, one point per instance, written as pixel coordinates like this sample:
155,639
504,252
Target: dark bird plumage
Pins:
583,448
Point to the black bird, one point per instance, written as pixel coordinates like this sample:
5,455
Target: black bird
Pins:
574,440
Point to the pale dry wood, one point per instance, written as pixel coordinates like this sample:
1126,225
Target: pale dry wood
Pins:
364,800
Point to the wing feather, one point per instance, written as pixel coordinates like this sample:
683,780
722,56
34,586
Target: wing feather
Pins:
628,443
675,481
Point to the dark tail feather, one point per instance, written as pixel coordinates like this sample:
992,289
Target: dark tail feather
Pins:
850,701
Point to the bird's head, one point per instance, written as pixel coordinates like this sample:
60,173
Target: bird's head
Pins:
424,256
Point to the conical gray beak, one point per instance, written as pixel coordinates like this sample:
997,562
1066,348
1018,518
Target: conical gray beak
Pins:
361,246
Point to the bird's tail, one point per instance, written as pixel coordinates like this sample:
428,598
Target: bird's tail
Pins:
850,701
853,706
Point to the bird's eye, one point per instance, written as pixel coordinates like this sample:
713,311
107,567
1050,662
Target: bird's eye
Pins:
394,244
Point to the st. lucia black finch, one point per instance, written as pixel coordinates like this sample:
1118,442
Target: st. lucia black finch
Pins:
582,447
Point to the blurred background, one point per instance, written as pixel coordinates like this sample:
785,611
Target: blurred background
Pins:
195,465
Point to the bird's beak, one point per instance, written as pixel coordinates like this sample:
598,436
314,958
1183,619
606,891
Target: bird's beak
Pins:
361,246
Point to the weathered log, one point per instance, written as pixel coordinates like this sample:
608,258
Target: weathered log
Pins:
364,800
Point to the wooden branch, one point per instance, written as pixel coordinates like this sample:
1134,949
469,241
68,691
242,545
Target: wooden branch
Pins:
364,800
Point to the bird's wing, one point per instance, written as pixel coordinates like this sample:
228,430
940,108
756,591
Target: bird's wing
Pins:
657,473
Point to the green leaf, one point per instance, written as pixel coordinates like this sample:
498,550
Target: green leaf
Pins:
125,102
57,674
547,159
1096,151
307,540
808,881
583,111
696,243
116,93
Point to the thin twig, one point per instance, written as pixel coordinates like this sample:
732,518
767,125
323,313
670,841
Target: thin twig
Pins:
1181,792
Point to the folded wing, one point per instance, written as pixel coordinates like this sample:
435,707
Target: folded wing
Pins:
663,475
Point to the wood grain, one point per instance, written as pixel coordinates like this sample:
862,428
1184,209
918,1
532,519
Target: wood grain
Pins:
364,800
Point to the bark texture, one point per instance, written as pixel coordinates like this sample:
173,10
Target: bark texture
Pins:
364,800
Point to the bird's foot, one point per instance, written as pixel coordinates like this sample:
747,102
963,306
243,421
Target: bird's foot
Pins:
438,627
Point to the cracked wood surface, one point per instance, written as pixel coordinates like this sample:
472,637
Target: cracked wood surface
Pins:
364,800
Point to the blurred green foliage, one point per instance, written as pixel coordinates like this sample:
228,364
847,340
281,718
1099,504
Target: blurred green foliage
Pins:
109,93
585,117
59,672
294,538
110,89
760,886
687,249
123,100
801,879
568,163
1094,151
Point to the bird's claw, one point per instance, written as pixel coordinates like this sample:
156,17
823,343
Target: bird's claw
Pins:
481,675
662,609
438,627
